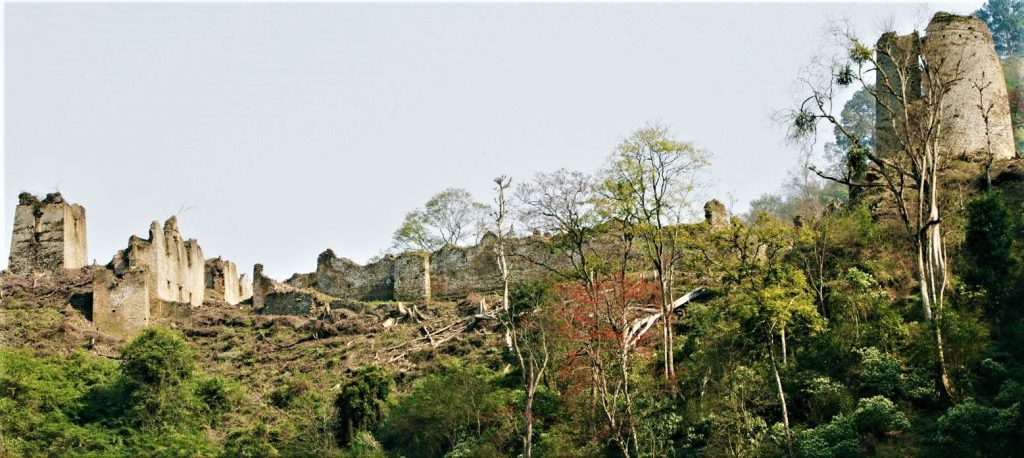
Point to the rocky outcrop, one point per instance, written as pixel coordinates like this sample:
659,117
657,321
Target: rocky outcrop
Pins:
49,235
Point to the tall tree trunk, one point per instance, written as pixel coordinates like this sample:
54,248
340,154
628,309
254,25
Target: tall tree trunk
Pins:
784,346
531,391
782,396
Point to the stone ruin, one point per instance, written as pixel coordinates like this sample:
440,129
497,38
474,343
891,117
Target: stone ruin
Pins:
450,273
49,235
224,284
142,278
271,297
166,275
715,215
954,46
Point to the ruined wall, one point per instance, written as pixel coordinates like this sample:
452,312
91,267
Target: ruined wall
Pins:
450,273
48,235
341,277
457,271
411,277
121,304
223,282
715,215
270,297
899,70
957,50
961,47
168,268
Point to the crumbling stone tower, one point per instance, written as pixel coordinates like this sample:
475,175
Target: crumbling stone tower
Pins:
143,277
224,284
956,49
49,235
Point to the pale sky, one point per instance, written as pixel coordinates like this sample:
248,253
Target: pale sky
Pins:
276,131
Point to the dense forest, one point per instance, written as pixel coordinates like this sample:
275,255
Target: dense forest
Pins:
832,319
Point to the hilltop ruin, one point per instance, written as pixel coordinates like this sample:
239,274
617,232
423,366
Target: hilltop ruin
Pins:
49,235
158,276
224,284
958,51
450,273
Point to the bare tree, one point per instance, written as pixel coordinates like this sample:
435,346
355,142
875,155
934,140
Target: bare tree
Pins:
525,332
909,90
647,185
986,116
561,204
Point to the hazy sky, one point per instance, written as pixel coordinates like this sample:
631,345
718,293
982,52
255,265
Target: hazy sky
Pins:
277,131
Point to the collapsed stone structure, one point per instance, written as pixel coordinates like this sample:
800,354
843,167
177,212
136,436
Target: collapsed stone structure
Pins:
956,50
49,235
141,279
224,284
450,273
271,297
715,215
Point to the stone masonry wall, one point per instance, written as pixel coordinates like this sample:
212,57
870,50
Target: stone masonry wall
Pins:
162,268
957,49
224,284
961,47
271,297
49,235
341,277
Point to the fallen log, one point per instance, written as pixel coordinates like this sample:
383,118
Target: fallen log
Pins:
640,326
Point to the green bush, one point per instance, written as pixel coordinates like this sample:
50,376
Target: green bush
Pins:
878,415
877,373
360,405
460,403
157,358
826,398
837,438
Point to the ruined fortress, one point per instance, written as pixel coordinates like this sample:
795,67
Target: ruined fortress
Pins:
167,275
49,235
151,277
958,52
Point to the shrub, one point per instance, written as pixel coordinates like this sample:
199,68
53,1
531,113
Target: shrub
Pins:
360,405
877,373
878,415
826,398
157,357
837,438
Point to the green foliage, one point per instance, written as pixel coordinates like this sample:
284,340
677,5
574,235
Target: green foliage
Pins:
965,430
838,439
250,443
877,373
361,403
878,415
826,398
442,410
1005,18
154,404
988,250
861,53
157,358
975,429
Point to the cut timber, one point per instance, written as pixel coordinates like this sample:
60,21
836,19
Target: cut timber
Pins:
640,326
